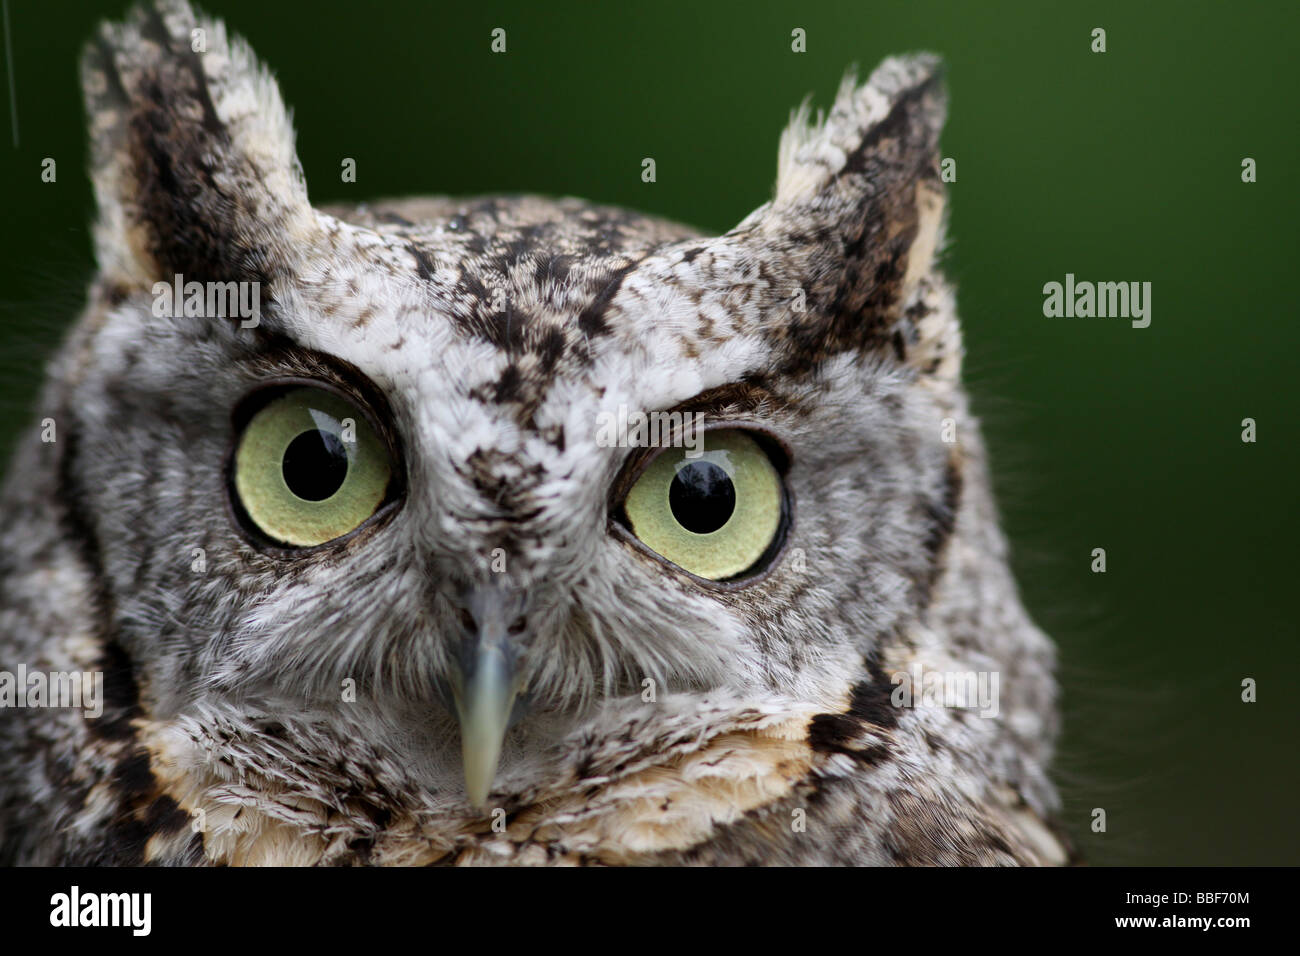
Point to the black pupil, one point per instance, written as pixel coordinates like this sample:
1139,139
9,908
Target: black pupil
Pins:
702,497
315,464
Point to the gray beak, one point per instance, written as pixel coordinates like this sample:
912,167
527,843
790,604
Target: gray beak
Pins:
489,684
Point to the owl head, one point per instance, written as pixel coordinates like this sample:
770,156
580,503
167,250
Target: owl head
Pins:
444,501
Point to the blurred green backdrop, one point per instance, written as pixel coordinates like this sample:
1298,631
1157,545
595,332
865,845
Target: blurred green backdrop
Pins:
1117,166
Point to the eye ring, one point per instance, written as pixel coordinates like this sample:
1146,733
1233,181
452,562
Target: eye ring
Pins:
778,457
362,401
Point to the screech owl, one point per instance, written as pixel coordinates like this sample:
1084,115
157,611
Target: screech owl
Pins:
365,584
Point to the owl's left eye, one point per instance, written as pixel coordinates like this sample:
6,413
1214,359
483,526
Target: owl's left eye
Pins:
308,468
718,513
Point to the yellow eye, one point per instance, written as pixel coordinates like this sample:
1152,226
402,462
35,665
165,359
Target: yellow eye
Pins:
308,468
714,515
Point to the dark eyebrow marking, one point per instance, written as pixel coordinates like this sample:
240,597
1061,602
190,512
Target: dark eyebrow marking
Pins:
735,398
592,319
423,265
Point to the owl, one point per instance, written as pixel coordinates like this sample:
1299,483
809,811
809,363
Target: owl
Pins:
508,530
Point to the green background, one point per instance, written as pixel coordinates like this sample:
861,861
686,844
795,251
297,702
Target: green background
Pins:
1117,166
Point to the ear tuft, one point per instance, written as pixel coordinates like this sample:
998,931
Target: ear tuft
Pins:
192,151
814,152
856,222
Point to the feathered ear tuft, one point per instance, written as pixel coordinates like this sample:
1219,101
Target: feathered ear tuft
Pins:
858,217
192,152
892,121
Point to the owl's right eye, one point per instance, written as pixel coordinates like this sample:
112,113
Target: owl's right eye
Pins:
718,514
308,468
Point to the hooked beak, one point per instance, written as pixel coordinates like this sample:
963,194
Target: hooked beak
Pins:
489,684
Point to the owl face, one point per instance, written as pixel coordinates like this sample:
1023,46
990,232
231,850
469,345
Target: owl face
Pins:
485,472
